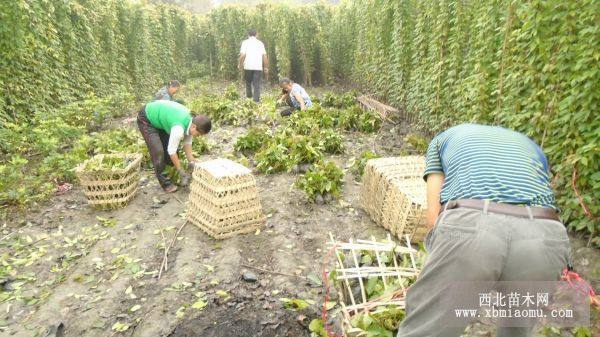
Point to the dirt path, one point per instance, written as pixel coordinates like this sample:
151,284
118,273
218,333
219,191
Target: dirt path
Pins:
98,275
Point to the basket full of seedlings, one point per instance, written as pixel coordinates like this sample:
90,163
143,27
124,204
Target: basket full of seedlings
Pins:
110,181
371,278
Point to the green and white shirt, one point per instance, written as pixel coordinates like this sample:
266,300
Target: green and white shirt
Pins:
173,118
490,162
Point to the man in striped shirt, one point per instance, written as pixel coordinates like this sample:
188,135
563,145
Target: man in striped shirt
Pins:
492,217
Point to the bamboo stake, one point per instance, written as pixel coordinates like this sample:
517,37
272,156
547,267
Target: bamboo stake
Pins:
164,263
381,267
360,281
343,270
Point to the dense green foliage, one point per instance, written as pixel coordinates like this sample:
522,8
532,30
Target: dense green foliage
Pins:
53,52
297,40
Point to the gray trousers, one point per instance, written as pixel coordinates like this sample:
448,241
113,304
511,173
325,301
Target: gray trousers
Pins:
470,245
252,78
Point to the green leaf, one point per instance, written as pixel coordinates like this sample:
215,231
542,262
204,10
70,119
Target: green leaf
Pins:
199,305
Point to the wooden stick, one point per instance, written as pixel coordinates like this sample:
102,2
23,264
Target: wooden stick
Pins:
176,198
382,267
34,242
360,280
7,235
163,265
273,272
343,270
164,239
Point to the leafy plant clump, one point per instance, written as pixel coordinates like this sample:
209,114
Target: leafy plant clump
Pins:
331,141
321,179
254,139
358,167
106,164
273,159
337,100
417,143
304,151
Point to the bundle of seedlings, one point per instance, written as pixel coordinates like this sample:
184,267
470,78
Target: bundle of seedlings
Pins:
322,182
107,164
335,100
371,278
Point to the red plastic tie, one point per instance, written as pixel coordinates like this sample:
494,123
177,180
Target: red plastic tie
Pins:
578,283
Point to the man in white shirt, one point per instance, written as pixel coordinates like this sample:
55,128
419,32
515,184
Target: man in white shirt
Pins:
254,60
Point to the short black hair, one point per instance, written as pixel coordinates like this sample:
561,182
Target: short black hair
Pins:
202,123
285,80
174,84
251,32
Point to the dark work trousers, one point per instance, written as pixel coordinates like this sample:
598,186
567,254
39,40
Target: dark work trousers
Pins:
252,78
288,111
157,141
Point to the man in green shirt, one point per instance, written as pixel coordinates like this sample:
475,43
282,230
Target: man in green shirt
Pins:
164,124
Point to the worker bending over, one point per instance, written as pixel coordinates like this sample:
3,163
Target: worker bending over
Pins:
164,124
294,95
492,217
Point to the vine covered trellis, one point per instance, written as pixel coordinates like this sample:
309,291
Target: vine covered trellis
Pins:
531,66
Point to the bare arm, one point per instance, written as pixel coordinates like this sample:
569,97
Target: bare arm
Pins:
187,148
265,59
434,187
241,61
301,101
176,162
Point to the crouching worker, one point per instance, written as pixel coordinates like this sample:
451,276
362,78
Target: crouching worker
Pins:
294,95
168,92
164,124
492,217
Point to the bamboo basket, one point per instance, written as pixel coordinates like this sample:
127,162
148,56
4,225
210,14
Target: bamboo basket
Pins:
224,200
110,189
350,275
405,208
392,195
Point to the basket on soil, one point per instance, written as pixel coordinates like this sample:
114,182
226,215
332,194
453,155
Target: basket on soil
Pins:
224,200
393,192
110,181
371,278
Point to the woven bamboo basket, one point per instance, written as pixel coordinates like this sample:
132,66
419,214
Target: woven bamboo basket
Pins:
405,208
224,200
352,276
383,182
110,189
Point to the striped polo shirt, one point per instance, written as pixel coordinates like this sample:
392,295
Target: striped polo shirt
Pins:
490,162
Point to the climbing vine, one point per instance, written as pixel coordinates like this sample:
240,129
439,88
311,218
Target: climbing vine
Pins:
54,52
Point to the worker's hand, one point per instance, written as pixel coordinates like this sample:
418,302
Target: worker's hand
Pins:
192,165
185,178
266,71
